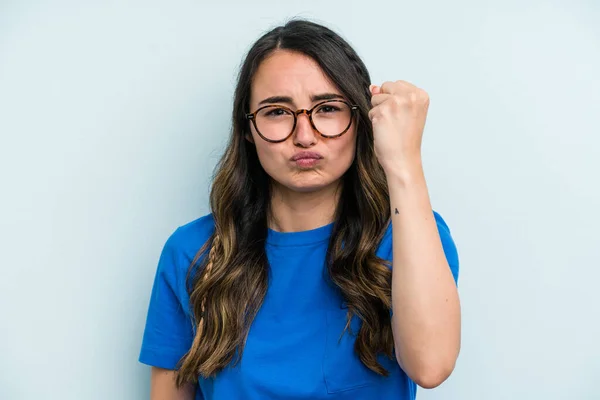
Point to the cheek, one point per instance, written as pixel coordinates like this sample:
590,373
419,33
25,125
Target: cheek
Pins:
267,155
345,150
262,148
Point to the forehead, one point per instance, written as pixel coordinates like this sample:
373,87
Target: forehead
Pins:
287,73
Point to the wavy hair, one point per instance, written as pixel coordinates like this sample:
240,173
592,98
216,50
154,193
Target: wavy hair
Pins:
228,278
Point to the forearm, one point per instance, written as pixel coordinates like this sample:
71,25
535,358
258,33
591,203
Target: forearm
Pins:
426,307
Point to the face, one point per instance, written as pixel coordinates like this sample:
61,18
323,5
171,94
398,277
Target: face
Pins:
300,79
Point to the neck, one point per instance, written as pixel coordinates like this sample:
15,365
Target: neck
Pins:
292,211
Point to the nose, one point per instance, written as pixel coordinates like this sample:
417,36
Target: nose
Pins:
304,135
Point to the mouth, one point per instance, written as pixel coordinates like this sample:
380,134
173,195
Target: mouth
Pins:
306,159
307,155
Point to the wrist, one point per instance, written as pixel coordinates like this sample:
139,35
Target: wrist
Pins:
404,171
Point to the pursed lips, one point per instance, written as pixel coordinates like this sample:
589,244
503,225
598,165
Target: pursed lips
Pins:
307,155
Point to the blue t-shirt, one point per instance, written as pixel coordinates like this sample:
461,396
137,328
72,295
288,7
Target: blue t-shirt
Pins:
293,349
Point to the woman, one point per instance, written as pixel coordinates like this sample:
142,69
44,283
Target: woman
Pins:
287,290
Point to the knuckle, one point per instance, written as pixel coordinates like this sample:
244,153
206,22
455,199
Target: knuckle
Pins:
413,97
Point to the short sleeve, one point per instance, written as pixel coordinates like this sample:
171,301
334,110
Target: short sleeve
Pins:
448,244
168,333
385,250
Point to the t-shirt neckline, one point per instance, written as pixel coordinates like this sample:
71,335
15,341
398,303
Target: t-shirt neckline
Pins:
310,236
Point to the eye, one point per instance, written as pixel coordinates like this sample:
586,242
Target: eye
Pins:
275,112
328,108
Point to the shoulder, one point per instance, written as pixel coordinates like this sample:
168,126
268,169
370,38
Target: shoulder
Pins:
187,239
182,246
169,332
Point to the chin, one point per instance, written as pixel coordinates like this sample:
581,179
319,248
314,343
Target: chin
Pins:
306,189
301,186
306,184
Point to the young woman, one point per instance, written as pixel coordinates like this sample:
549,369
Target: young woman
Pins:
322,271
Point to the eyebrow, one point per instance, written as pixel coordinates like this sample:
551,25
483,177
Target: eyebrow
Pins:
289,100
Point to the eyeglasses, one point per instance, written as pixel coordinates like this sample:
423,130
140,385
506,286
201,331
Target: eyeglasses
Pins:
331,119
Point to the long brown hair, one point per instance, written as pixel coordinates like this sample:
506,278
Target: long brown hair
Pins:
228,279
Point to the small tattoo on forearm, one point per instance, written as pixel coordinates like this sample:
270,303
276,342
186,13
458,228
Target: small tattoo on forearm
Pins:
396,212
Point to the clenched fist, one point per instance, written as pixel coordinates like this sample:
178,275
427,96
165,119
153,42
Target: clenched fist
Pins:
398,117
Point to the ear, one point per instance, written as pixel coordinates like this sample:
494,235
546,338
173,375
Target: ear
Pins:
249,137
